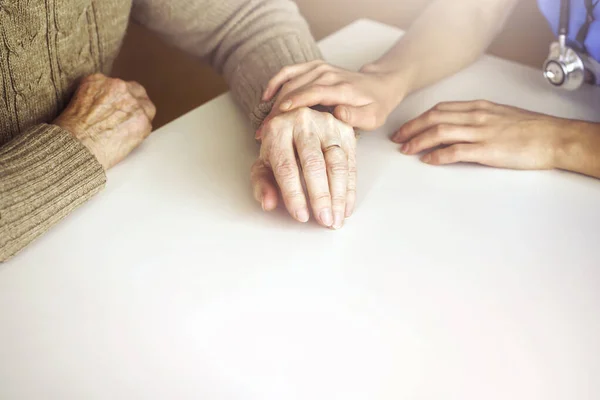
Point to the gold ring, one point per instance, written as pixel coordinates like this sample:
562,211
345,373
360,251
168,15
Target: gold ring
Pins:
331,147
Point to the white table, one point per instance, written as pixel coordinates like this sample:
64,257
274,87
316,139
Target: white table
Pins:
458,282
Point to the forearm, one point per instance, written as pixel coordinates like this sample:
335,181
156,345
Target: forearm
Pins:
45,173
578,149
248,41
446,38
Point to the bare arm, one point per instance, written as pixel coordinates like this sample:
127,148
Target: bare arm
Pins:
446,38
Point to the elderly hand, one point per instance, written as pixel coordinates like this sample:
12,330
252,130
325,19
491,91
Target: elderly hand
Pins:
109,116
485,133
363,99
326,150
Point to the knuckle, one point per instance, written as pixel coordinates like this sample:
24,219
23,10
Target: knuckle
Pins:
329,76
286,70
140,118
319,197
139,87
117,85
438,106
483,104
271,125
303,112
329,118
284,168
432,115
352,169
294,196
337,168
338,199
440,130
480,117
324,67
313,164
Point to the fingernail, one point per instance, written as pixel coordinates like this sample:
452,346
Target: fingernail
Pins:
262,204
302,215
338,220
326,217
348,212
286,105
426,158
405,148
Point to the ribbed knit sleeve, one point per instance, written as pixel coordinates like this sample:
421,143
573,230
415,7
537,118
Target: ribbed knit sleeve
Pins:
248,41
45,173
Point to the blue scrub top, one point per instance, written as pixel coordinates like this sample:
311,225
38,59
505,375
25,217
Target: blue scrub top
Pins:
551,10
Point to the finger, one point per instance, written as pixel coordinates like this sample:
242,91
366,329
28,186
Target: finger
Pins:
337,174
456,153
352,179
264,185
314,169
285,169
435,117
148,107
322,75
464,106
137,90
325,95
366,117
284,75
440,135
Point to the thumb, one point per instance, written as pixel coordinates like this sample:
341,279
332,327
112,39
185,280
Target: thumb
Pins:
365,117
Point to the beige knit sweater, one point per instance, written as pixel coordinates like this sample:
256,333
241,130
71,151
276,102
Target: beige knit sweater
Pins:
47,46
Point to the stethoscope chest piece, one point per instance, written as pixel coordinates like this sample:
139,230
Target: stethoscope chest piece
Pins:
565,68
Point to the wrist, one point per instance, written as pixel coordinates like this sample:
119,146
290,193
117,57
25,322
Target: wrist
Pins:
397,81
75,130
576,147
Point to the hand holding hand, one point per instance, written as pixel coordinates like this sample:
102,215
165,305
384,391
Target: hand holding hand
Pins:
109,116
362,99
326,150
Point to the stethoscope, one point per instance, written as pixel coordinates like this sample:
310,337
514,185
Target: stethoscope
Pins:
567,67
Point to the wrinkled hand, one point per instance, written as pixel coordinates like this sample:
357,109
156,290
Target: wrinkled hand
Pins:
363,99
326,150
485,133
108,116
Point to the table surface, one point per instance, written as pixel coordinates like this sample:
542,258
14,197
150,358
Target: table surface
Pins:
459,282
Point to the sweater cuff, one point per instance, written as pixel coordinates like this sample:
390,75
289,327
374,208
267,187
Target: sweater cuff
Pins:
249,78
45,173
